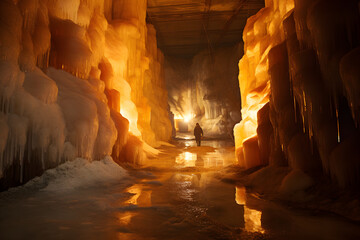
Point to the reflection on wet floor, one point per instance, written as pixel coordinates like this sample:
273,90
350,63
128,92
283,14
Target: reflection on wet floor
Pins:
125,217
199,205
252,217
204,157
192,203
179,195
207,143
186,159
188,140
206,160
141,197
217,159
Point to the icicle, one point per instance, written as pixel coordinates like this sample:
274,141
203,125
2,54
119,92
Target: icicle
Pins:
304,100
303,120
354,115
331,106
294,100
337,124
1,164
42,159
311,134
42,61
21,159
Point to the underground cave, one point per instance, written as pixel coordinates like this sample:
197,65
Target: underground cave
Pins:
99,100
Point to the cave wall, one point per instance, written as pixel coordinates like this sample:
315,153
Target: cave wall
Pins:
78,79
309,117
205,89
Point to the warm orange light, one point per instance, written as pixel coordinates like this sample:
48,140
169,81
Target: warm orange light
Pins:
187,159
141,197
178,116
136,190
240,194
125,217
261,33
129,111
188,117
252,217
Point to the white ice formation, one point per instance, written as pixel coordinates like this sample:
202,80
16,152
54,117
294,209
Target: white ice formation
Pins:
78,78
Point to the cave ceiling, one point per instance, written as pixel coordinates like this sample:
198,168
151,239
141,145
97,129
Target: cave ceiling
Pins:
185,27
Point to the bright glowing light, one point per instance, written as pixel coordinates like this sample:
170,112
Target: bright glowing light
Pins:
178,116
129,111
187,118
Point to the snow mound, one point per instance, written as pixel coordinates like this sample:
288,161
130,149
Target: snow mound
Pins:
296,180
267,179
78,173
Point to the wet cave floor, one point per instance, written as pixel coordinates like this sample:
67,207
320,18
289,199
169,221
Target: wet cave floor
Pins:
180,194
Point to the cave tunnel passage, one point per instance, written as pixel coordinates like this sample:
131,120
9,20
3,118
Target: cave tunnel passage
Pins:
202,48
99,101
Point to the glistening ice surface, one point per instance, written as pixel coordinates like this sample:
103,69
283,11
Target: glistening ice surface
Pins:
179,195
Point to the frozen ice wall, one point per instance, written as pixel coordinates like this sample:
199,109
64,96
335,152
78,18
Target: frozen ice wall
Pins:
143,72
311,120
262,32
217,97
154,85
74,83
205,90
179,85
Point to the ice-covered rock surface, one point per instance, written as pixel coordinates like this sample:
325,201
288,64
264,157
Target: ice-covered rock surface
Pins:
302,59
77,77
262,33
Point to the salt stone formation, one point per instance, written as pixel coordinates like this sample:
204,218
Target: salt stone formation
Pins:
204,89
299,84
78,79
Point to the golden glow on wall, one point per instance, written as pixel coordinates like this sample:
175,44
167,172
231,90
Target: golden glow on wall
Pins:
261,33
129,112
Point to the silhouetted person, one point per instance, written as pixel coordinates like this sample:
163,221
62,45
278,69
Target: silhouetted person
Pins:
198,133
